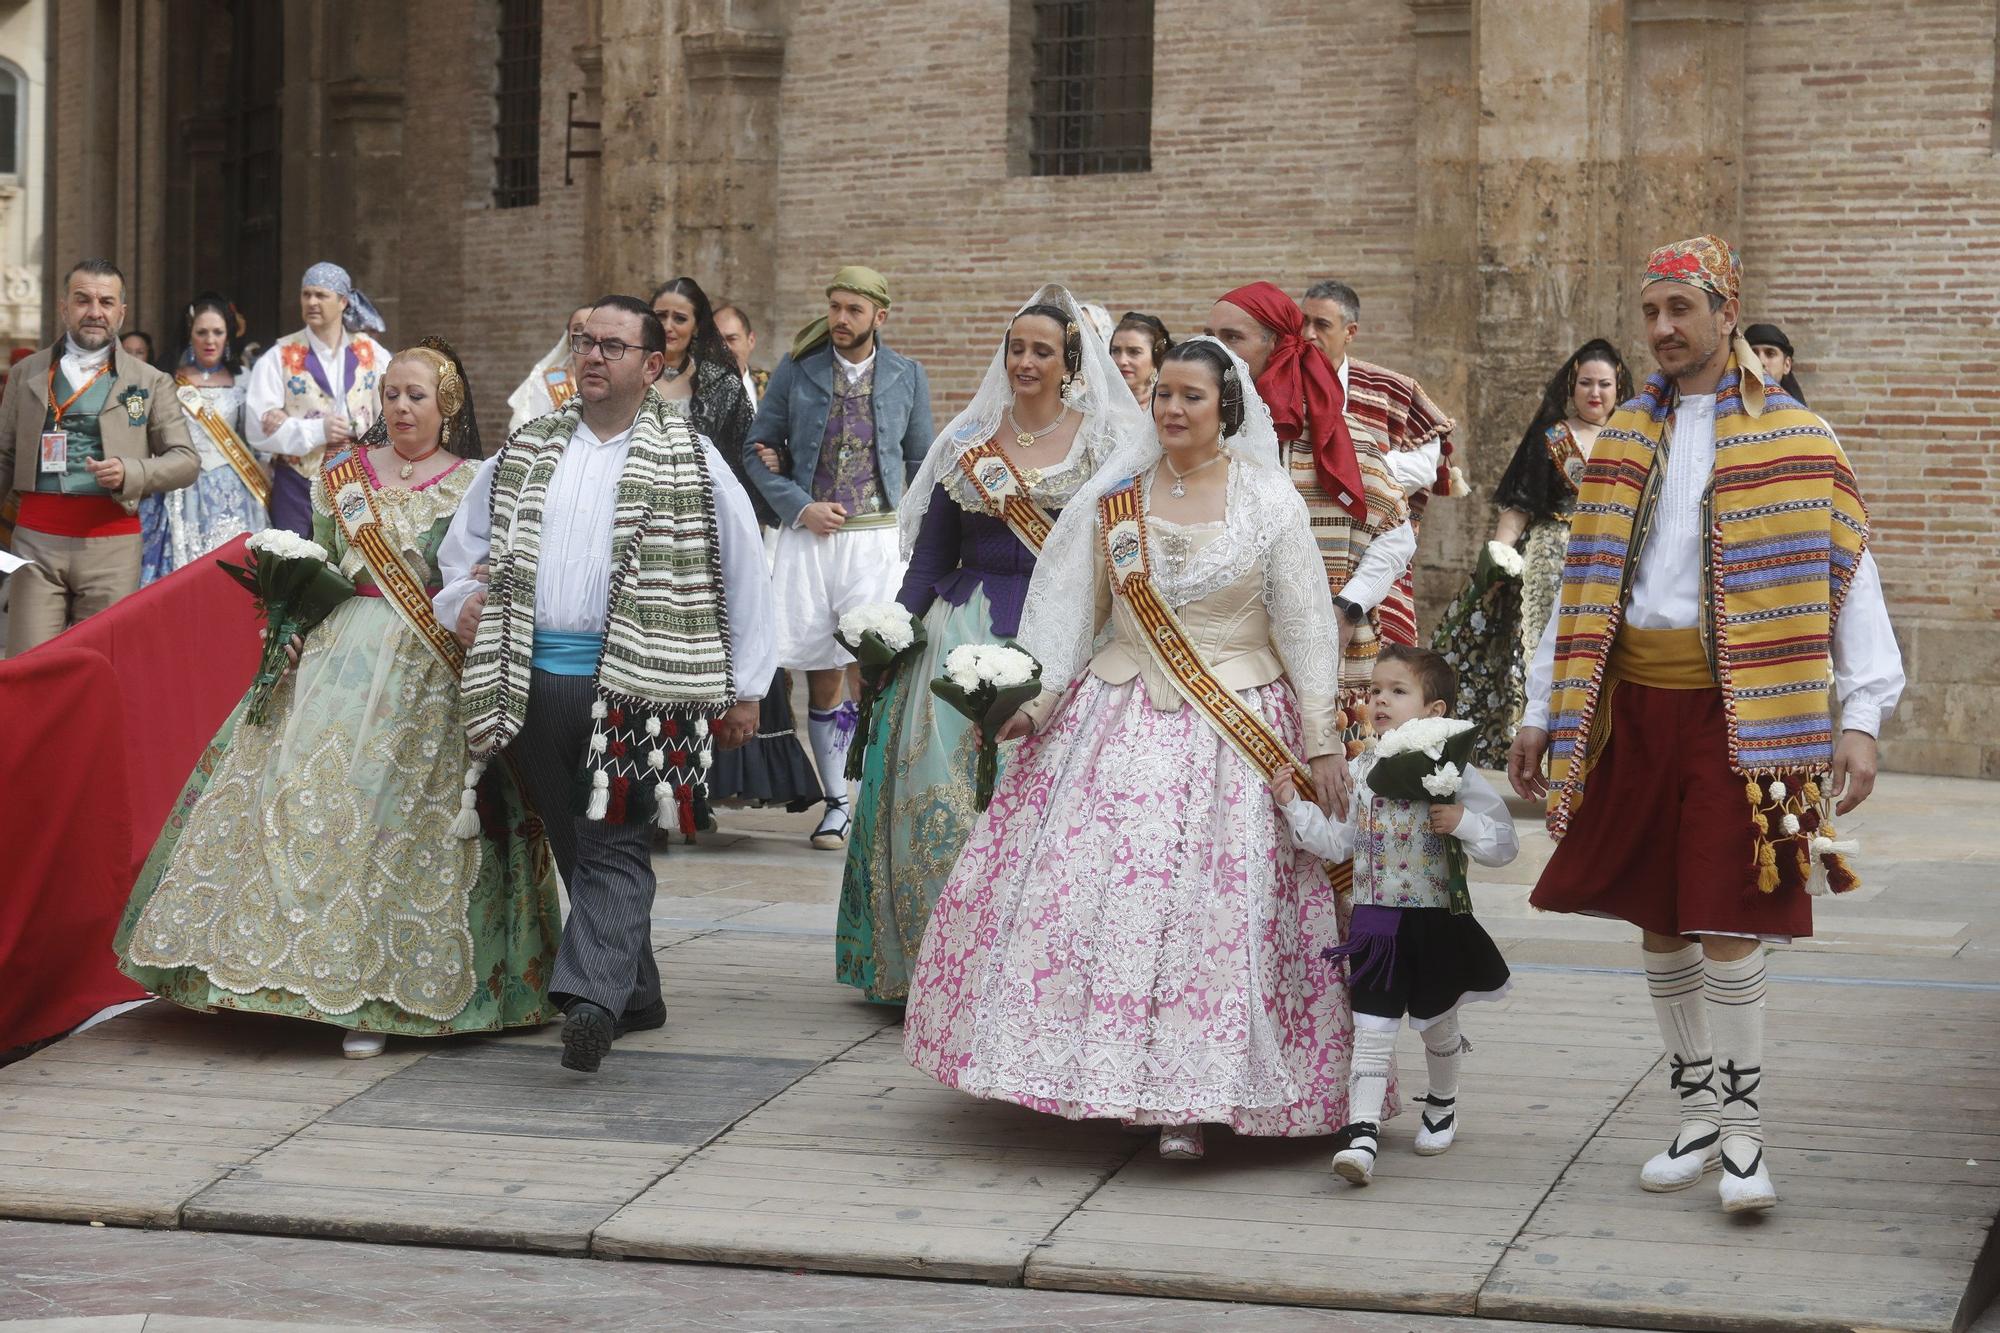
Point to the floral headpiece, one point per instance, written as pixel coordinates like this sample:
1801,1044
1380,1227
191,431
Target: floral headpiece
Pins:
1706,262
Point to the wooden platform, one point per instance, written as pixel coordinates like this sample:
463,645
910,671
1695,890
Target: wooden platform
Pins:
773,1122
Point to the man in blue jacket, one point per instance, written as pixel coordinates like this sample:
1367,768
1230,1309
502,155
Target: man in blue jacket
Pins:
841,429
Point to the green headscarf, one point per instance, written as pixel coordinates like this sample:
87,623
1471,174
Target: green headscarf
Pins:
856,278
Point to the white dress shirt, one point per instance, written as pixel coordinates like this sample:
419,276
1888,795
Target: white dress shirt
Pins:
851,371
749,389
79,364
573,575
1380,566
297,436
1667,589
1486,828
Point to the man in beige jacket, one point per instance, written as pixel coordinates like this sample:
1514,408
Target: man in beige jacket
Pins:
87,430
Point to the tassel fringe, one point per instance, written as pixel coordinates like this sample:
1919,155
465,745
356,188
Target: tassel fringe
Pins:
465,824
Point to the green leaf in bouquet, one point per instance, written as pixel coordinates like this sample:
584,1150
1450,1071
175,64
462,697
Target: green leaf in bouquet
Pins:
1009,701
947,689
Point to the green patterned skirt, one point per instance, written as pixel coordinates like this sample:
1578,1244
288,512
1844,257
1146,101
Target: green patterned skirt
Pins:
913,814
307,868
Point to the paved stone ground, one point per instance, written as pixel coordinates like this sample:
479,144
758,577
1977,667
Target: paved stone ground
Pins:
773,1123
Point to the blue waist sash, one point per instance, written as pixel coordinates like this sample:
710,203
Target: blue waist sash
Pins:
566,652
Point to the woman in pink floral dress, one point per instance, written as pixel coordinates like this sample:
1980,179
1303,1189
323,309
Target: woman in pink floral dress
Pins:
1129,934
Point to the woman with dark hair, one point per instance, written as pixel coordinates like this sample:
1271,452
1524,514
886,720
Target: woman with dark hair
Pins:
1774,349
1489,631
702,385
231,495
310,867
1049,410
1130,933
1138,345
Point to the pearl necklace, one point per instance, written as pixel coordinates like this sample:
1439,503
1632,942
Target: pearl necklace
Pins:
1028,439
1179,488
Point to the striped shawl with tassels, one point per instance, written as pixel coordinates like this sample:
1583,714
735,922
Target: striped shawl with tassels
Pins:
1786,529
665,665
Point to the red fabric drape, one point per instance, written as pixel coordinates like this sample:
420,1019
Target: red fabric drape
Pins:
1302,389
99,729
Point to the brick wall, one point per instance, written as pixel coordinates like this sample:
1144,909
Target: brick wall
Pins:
1289,174
1872,231
496,282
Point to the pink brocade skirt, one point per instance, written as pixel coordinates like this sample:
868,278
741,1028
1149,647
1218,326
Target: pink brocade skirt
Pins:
1130,935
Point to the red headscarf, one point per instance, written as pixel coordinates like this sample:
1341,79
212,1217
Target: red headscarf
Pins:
1302,390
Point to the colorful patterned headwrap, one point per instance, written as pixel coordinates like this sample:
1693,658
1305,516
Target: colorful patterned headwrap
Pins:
360,315
1706,262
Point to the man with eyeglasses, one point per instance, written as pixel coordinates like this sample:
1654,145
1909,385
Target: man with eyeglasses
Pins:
842,427
606,574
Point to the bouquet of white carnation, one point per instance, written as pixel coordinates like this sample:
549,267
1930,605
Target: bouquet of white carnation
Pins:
987,682
295,589
880,635
1425,760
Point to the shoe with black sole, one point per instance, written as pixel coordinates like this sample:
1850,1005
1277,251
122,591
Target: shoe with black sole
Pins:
587,1033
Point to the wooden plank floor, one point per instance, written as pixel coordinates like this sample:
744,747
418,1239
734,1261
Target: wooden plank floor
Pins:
1882,1115
867,1166
493,1143
773,1122
126,1122
1271,1218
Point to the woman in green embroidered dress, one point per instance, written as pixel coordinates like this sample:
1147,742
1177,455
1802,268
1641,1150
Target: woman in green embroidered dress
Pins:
309,868
1490,630
1053,405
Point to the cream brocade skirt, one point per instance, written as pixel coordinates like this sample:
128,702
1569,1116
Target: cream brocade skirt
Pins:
318,859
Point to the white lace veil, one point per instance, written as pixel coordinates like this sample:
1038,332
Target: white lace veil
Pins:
1059,619
1111,419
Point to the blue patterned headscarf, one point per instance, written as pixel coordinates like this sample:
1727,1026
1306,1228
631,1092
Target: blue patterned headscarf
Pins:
360,315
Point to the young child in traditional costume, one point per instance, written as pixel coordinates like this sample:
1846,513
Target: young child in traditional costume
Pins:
1413,947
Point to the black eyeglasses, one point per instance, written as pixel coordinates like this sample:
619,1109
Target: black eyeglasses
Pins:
583,345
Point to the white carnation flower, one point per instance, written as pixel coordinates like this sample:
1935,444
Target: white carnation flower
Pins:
1427,734
1008,667
1505,558
1445,782
286,545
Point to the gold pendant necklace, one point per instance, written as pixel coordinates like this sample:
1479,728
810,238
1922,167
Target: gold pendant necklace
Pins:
409,468
1028,439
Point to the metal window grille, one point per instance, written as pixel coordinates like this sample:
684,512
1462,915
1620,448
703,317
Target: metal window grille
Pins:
1091,87
517,123
10,123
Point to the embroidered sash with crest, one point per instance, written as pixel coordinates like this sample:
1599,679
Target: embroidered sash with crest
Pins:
993,476
560,384
353,504
1121,528
227,442
1565,453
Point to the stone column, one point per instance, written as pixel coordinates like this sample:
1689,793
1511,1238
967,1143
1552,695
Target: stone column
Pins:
734,54
1683,173
1446,259
642,106
344,186
1551,77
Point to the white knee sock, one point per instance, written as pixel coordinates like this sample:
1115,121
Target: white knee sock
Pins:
1443,1041
829,745
1368,1075
1675,982
1735,996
